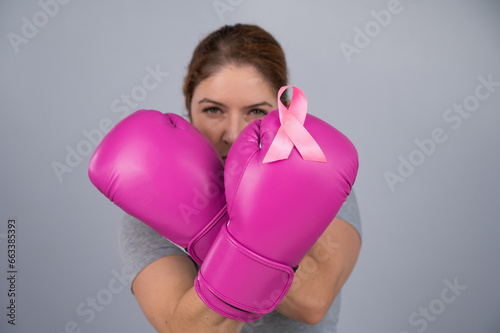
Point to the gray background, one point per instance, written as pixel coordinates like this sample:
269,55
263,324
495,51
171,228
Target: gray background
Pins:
440,224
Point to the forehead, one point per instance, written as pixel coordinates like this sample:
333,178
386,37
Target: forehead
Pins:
243,82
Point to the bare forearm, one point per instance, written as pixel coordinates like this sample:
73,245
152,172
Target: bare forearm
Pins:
322,273
192,315
165,292
308,298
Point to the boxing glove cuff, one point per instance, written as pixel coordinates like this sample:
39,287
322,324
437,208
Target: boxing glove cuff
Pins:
242,279
222,308
200,244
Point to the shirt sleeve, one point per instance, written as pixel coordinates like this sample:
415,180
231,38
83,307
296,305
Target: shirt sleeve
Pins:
140,245
349,212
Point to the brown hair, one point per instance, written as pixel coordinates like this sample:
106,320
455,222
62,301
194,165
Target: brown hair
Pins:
240,44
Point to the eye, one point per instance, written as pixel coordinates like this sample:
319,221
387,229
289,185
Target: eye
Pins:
212,110
258,112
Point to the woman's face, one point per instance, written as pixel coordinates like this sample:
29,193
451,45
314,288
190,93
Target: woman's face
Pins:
226,102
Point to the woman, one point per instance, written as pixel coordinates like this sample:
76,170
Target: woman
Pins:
232,80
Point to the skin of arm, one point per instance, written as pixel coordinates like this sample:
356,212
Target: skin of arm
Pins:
322,273
165,292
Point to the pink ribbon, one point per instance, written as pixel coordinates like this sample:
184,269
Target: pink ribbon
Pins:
292,131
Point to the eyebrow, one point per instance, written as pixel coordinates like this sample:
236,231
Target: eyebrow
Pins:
206,100
258,104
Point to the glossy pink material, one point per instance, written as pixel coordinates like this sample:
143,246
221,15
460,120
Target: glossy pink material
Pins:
277,212
257,270
160,169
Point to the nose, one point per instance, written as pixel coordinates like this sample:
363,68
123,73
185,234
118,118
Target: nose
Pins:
233,127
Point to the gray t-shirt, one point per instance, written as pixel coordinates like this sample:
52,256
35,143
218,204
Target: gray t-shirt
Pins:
140,245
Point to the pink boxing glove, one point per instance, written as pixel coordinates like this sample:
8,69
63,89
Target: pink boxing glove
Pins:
278,206
160,169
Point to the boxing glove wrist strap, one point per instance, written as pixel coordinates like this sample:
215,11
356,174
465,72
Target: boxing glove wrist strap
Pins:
221,307
241,278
